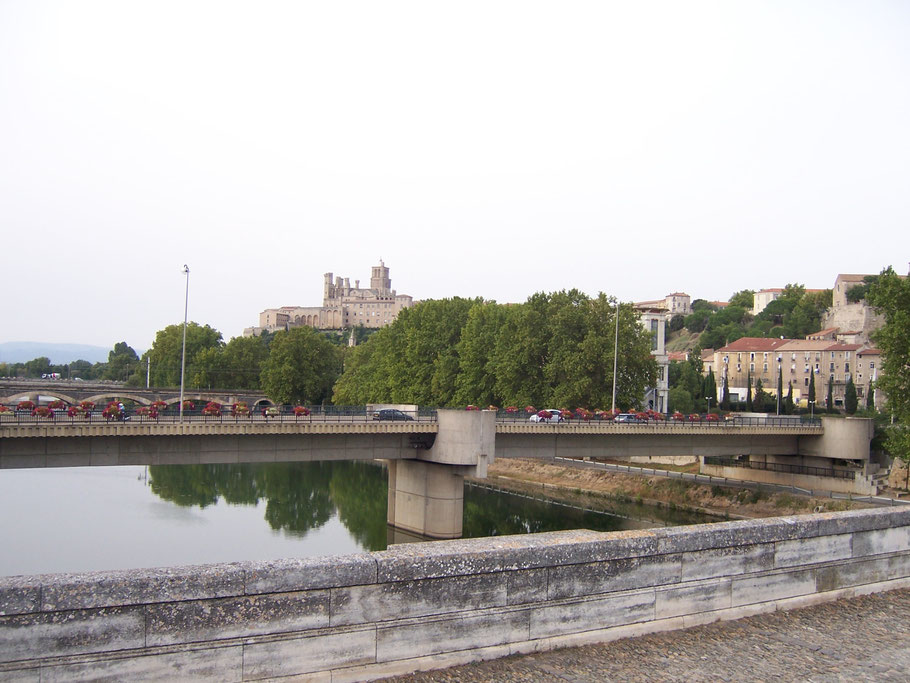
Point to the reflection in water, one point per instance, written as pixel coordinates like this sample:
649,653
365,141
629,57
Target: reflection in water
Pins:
304,496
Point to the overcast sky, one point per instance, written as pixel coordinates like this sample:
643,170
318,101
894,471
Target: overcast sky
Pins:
485,149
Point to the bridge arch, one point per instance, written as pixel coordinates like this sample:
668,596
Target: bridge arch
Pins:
25,396
98,399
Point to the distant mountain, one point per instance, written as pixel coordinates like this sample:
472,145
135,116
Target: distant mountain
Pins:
20,352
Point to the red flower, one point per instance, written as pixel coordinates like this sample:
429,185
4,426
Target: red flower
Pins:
301,411
511,409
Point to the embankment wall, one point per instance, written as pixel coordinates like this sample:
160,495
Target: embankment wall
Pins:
428,605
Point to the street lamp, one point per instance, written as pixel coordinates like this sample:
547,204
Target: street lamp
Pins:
811,409
779,381
186,305
615,356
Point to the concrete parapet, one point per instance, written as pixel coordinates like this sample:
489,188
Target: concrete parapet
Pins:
843,439
435,604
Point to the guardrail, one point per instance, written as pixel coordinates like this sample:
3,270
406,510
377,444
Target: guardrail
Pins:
360,414
781,467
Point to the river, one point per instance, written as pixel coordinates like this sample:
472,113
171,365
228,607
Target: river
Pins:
101,518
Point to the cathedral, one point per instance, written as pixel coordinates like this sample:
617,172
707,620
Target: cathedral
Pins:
342,307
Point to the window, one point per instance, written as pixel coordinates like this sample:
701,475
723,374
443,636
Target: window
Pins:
807,368
739,367
751,356
818,355
807,381
751,367
832,354
765,356
739,356
847,355
871,365
831,369
846,367
793,357
792,368
764,367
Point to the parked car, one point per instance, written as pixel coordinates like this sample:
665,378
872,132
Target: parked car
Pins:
555,415
627,417
392,414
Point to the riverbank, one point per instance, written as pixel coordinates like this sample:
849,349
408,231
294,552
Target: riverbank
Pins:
583,486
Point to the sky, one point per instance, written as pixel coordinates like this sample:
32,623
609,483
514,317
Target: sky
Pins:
480,149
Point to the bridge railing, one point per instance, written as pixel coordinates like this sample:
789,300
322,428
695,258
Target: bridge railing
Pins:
781,467
272,414
701,421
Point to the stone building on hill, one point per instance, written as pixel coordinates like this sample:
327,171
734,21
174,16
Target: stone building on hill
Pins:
343,306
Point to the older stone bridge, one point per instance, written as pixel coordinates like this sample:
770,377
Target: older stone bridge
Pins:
72,392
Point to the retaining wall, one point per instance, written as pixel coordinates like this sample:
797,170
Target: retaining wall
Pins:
429,605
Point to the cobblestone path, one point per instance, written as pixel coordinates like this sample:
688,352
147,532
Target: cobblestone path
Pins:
858,639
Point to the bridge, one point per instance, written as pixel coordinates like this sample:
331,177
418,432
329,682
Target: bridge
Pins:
428,458
72,392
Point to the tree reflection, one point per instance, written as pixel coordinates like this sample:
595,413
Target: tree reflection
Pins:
304,496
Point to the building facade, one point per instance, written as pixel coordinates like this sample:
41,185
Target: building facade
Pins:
654,320
830,363
343,306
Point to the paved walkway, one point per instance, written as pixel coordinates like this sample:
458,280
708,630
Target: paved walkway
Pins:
860,639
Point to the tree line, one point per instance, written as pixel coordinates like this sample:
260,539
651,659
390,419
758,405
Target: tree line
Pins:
554,350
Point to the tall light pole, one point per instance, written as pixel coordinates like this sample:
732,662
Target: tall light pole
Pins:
186,305
615,356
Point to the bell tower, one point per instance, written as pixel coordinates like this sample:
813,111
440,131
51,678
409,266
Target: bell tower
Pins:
380,281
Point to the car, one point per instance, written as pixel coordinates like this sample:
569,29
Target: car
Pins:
555,416
627,417
392,414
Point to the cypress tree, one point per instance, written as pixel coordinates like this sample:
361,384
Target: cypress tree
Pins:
850,402
812,388
780,389
710,389
829,401
725,396
749,392
788,402
870,398
758,403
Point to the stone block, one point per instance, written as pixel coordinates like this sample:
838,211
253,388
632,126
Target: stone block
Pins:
319,652
804,551
55,634
737,533
882,541
140,586
727,561
276,576
214,664
693,599
209,620
576,580
594,613
19,595
861,572
420,638
755,589
389,601
20,675
526,586
498,553
851,521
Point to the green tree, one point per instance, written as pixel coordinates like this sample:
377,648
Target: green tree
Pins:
681,400
850,400
829,401
870,398
788,401
749,403
725,394
745,299
677,322
37,366
811,393
890,295
710,389
122,362
761,399
167,351
301,368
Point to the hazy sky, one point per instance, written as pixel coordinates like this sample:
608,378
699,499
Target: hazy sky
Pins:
485,149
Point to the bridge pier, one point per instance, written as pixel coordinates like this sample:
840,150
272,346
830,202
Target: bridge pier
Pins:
426,495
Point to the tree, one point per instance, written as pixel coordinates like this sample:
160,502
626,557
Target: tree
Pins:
760,402
829,401
870,398
677,322
725,394
780,388
811,393
710,389
749,405
681,400
37,366
167,352
850,401
301,368
890,296
788,402
744,298
122,361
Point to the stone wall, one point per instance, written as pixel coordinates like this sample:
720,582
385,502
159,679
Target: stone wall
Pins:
429,605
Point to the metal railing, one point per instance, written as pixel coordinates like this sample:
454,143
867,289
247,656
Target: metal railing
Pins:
782,467
702,421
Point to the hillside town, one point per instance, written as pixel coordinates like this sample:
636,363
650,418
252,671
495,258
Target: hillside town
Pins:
826,359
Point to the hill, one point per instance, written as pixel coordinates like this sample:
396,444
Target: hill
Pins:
20,352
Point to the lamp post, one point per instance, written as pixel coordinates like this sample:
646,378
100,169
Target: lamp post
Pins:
615,356
811,409
186,305
779,381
